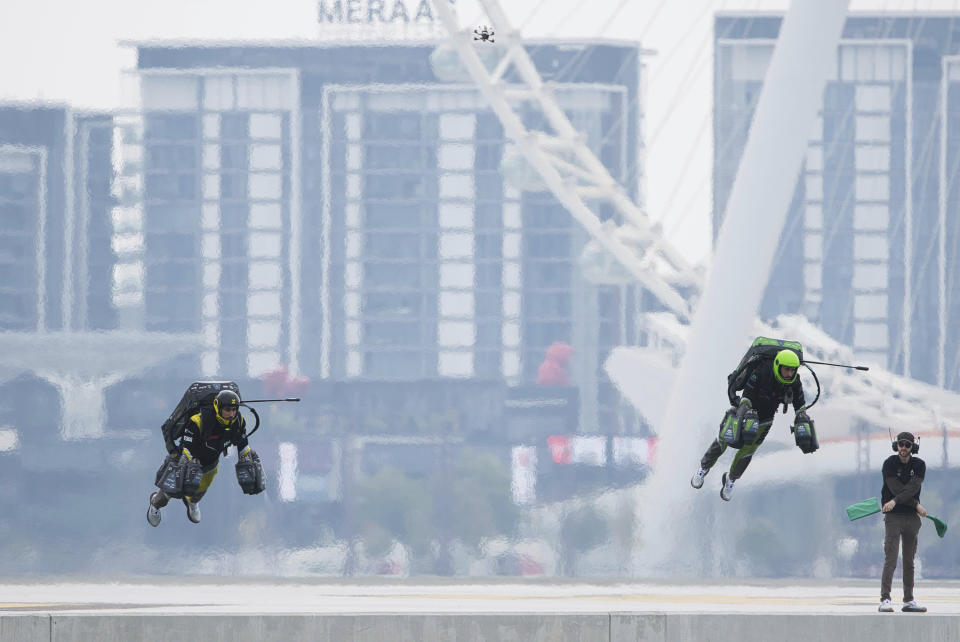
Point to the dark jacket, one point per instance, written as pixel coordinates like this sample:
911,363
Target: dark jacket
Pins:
766,393
205,437
902,481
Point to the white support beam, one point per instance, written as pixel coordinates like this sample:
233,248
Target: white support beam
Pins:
579,172
787,107
502,65
574,175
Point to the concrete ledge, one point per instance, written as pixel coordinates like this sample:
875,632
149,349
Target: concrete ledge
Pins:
486,627
334,628
764,627
29,628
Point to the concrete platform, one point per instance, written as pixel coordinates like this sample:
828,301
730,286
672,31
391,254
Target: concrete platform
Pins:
233,610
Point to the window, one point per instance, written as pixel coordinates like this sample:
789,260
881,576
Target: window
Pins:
455,364
749,61
262,91
393,156
542,274
392,245
233,186
813,276
233,126
455,157
393,216
868,276
170,126
549,304
870,306
173,156
873,187
233,156
456,334
218,93
456,275
456,304
874,158
393,126
873,247
266,215
266,186
456,245
813,218
870,335
167,92
394,186
264,303
457,126
547,246
406,365
266,126
392,274
392,305
873,97
871,217
169,245
171,217
264,275
265,245
392,333
171,186
873,128
813,246
456,186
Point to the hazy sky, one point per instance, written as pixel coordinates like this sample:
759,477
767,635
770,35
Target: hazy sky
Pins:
67,51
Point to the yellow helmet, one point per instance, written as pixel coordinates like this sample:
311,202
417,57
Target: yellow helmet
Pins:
786,359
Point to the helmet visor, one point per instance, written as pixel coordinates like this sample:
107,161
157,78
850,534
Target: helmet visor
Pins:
787,373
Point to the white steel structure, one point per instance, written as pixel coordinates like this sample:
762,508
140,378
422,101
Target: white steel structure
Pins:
577,179
567,165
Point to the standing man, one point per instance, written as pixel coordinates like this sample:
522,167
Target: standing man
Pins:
902,477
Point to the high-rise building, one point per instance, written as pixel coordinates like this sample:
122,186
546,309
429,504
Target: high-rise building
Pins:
340,208
56,258
870,246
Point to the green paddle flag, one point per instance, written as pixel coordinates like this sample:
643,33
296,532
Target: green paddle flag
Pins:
872,505
940,525
864,508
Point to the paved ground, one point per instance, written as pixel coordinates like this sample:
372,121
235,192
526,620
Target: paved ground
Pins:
192,595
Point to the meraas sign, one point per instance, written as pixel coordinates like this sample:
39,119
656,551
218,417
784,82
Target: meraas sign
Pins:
369,12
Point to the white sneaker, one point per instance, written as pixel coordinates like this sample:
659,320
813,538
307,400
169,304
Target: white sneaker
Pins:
885,606
153,513
193,511
697,480
912,607
727,490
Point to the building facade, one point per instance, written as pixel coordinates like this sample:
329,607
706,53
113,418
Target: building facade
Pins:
340,209
56,258
870,247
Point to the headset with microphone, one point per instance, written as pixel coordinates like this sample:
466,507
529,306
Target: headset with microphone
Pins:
905,436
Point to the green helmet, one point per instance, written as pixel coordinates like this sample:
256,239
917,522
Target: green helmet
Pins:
789,359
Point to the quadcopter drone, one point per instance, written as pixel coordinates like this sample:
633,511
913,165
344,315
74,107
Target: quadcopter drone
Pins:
483,33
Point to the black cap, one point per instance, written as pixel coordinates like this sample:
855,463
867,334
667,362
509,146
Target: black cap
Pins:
906,435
